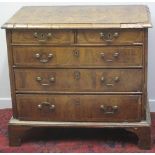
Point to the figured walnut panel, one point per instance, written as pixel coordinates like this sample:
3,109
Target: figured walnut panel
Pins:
110,36
104,80
42,36
81,17
77,56
79,107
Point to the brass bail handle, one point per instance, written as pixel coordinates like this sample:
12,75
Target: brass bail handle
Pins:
42,37
109,37
114,56
115,80
109,109
50,81
43,58
46,104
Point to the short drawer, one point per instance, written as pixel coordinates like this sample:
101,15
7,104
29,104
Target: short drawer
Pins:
110,36
121,56
109,108
106,80
42,36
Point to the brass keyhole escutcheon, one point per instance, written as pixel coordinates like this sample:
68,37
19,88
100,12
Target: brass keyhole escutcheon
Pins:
77,75
76,53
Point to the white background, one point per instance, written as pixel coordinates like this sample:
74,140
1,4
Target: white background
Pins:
8,9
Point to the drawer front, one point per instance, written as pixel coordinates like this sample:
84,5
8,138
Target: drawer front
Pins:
110,36
42,36
107,80
77,56
110,108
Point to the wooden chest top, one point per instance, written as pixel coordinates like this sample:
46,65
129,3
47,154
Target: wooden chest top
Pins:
125,16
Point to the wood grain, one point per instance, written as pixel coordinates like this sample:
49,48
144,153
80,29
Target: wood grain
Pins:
127,16
79,108
57,36
125,36
89,80
78,56
79,66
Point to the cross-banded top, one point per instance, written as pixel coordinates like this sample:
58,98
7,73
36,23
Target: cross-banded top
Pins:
118,16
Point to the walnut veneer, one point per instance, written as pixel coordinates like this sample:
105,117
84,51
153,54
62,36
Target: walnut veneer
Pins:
79,66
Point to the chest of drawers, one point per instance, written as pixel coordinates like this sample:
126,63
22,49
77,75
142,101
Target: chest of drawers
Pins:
79,67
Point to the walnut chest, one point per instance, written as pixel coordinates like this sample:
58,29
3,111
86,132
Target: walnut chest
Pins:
79,66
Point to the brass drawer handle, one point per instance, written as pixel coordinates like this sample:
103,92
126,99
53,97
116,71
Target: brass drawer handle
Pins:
42,37
43,58
109,109
114,56
115,80
46,104
50,81
76,53
109,37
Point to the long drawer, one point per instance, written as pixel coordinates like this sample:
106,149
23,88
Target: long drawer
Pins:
104,80
42,37
110,108
48,56
110,36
